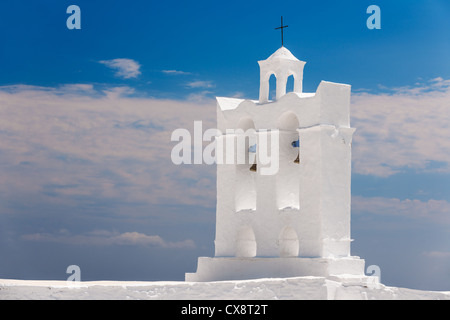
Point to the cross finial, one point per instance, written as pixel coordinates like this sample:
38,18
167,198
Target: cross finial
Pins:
281,27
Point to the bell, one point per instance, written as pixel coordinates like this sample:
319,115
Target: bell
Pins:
252,149
296,144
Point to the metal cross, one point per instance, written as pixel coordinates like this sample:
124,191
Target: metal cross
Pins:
281,27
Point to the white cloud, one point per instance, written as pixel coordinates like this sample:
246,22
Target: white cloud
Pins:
125,68
434,210
199,97
61,145
200,84
407,127
437,254
107,238
175,72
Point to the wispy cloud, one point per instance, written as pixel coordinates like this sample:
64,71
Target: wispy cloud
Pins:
200,84
61,145
405,127
107,238
175,72
199,97
432,210
421,87
125,68
437,254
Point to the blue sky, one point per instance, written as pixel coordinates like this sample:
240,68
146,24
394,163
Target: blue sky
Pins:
86,117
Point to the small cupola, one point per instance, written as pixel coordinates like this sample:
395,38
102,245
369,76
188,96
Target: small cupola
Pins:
282,63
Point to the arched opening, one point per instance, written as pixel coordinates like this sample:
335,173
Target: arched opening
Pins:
290,84
272,87
287,180
288,121
245,243
288,242
245,190
245,142
245,124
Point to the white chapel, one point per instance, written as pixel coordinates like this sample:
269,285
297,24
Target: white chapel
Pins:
294,221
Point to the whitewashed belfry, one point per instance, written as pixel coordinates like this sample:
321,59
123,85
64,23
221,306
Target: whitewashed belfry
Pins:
294,220
282,64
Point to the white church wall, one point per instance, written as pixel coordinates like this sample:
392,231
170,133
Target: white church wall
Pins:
310,192
287,179
225,206
334,103
336,199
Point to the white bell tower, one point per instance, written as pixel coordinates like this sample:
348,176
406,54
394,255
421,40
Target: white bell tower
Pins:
282,64
294,221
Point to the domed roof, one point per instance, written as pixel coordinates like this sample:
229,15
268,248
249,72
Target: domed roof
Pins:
282,53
